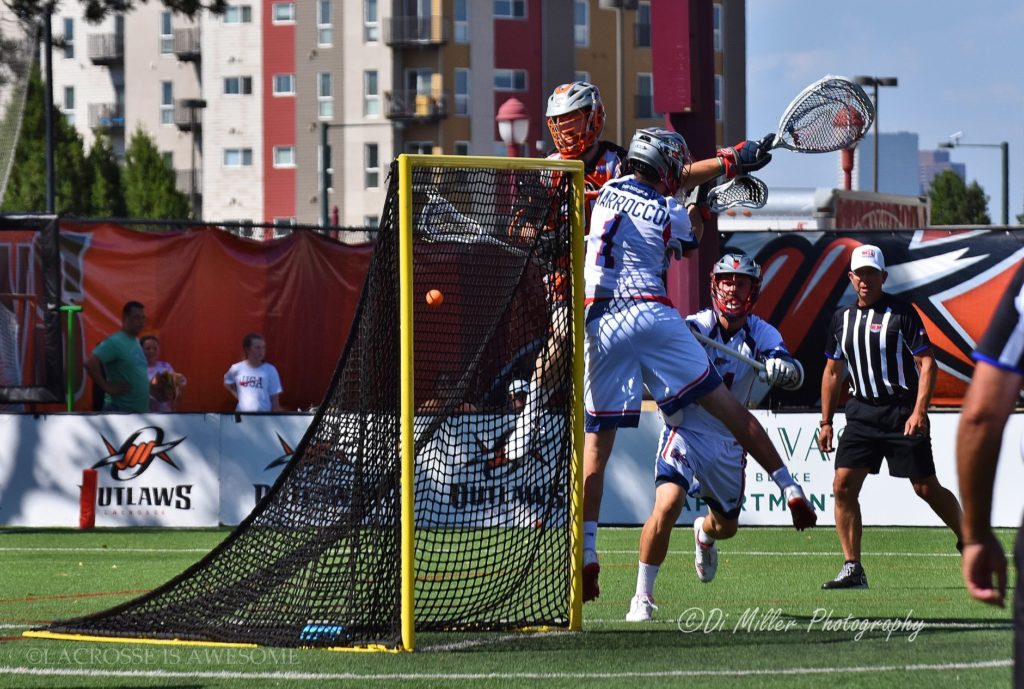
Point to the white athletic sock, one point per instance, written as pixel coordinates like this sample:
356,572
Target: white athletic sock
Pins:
645,577
783,479
590,536
703,536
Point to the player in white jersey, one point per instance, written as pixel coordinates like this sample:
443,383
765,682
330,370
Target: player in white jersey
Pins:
697,453
634,337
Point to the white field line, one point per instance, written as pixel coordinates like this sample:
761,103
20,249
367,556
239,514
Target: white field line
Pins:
751,553
487,641
417,676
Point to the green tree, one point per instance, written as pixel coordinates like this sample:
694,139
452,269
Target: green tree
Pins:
954,203
95,10
26,188
148,182
106,195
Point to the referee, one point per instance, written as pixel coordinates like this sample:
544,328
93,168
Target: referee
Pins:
892,377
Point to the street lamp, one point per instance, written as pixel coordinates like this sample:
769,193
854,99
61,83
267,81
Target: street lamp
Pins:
876,82
1004,148
513,125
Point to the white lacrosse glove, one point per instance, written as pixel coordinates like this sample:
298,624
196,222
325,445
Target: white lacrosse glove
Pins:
783,373
674,249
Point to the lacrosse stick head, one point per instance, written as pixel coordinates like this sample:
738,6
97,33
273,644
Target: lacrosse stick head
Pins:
745,190
831,114
731,298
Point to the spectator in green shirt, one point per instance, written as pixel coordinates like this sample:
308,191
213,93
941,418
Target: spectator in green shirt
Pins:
118,364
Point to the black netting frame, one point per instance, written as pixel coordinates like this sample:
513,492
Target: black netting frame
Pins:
317,562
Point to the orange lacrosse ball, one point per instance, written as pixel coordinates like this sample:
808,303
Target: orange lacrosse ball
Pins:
435,297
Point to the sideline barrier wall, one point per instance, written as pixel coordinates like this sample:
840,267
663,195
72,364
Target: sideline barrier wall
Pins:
210,469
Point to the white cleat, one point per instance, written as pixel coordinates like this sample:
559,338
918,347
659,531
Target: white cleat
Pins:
705,559
641,608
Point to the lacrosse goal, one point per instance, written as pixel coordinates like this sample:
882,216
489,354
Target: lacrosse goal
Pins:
400,511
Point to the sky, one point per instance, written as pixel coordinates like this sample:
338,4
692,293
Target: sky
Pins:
960,67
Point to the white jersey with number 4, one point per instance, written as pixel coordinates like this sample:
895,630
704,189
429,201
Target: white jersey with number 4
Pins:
630,227
756,339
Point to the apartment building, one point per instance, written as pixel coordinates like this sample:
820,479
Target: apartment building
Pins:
240,104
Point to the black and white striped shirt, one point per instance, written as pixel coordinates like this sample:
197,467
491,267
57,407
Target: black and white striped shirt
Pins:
1003,343
879,343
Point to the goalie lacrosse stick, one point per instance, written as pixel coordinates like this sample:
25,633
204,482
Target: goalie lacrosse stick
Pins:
745,190
831,114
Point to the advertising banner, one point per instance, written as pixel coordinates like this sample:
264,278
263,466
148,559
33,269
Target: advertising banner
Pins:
206,469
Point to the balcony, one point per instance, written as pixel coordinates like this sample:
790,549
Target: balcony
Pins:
188,114
106,116
183,181
106,49
410,106
186,45
414,31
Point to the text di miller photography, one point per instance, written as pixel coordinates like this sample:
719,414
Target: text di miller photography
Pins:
698,620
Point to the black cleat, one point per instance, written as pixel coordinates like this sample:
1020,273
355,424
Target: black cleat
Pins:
851,576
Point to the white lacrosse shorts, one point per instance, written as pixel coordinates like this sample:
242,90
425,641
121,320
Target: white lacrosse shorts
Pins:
635,343
706,465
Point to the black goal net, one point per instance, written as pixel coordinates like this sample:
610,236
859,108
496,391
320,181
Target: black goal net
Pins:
319,562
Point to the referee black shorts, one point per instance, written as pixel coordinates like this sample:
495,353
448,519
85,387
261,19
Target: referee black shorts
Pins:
874,433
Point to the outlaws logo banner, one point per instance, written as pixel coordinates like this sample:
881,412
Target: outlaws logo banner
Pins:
953,277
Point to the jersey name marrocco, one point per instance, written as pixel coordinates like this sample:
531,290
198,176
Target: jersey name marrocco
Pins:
632,205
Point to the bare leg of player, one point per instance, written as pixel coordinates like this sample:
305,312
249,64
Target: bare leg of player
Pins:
597,448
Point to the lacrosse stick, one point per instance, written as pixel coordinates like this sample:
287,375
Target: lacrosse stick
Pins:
758,366
745,190
831,114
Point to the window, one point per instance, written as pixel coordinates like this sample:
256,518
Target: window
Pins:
509,9
462,21
581,23
168,158
371,22
371,222
238,14
237,86
419,80
425,147
510,80
371,166
166,102
718,97
324,35
716,14
69,38
69,105
461,91
237,157
284,13
582,76
166,34
284,156
643,25
371,94
644,96
325,95
462,148
284,84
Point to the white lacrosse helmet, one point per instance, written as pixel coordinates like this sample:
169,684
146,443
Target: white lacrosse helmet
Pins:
665,152
575,117
735,264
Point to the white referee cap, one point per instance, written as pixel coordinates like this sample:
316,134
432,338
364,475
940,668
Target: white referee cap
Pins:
518,387
867,256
